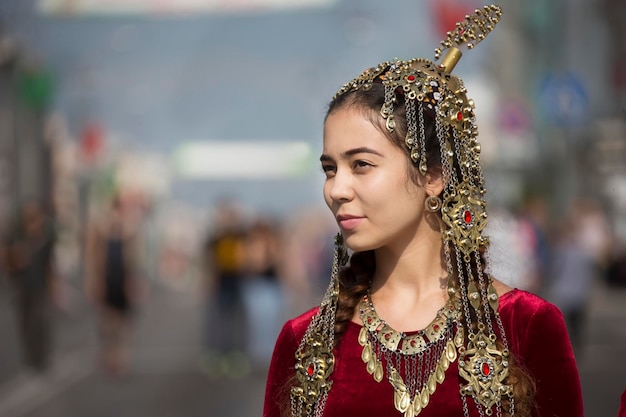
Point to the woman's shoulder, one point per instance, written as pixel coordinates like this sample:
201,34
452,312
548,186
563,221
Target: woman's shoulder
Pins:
298,325
531,321
521,301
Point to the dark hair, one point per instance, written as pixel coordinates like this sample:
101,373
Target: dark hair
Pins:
355,278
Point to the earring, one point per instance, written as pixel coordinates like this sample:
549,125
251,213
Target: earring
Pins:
432,203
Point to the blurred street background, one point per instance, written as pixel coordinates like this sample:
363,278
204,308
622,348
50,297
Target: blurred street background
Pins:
161,212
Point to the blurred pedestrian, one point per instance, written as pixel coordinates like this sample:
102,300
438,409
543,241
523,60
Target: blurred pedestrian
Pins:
571,276
594,234
262,289
112,282
616,270
30,263
226,336
532,230
580,255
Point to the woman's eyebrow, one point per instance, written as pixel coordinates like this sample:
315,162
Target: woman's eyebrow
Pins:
352,152
362,149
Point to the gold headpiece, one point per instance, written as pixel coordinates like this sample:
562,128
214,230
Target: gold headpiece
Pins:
426,89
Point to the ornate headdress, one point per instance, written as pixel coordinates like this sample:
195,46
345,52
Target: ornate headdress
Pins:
424,87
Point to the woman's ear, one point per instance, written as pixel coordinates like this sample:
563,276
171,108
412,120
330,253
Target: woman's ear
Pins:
434,181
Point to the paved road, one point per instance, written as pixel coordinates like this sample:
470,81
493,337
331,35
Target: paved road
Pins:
602,361
168,380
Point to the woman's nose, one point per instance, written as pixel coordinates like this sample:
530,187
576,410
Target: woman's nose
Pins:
341,187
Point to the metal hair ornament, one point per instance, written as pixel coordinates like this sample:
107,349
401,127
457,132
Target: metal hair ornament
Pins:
315,360
469,33
422,88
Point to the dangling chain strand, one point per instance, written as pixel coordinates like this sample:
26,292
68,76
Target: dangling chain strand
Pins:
319,410
472,294
423,166
483,292
448,174
464,296
457,149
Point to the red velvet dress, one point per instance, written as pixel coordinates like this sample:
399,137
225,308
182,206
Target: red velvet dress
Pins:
536,334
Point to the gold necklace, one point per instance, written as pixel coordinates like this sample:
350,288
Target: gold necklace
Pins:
423,356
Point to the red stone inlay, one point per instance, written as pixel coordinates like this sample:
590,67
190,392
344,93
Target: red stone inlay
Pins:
413,343
485,369
310,370
459,116
436,327
411,78
467,216
369,320
387,336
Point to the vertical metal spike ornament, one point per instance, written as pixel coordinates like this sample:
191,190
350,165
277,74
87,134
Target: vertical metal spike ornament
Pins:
467,33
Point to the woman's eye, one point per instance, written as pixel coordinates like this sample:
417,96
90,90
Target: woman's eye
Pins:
329,170
359,164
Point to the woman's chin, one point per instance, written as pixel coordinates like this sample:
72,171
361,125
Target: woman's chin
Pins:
358,245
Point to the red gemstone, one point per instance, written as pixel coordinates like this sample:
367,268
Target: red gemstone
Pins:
467,216
436,327
459,116
411,78
387,336
310,370
413,343
485,369
369,320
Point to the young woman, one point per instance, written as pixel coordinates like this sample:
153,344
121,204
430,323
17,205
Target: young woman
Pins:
414,324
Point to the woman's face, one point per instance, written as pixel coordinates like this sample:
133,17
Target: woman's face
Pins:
367,186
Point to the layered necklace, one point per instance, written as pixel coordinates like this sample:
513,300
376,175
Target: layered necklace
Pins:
414,363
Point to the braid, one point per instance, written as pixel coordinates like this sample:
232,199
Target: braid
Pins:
354,281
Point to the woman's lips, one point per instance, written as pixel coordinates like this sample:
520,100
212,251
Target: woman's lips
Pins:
349,223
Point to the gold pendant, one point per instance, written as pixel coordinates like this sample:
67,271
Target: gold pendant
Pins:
485,367
313,367
465,215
